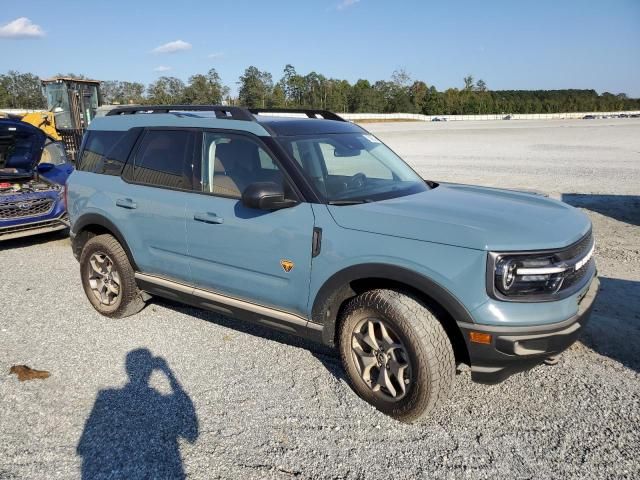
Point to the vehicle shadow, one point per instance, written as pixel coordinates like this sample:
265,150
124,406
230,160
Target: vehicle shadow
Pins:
132,432
625,208
327,356
33,240
614,327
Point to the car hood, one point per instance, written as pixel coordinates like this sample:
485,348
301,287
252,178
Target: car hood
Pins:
472,217
21,147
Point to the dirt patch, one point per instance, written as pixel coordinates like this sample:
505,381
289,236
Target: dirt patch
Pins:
25,373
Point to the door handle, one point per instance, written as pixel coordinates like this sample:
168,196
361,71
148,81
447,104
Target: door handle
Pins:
208,218
126,203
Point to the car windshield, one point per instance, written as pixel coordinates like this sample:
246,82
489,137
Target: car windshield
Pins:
348,168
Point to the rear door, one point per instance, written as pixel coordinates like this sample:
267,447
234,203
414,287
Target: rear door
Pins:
260,256
152,202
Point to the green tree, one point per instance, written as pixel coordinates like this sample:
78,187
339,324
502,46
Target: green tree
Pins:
166,91
255,88
278,98
468,83
418,94
205,89
122,93
21,90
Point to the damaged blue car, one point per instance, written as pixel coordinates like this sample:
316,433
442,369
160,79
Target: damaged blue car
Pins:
33,172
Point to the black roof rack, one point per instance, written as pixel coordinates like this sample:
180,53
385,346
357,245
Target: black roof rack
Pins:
309,112
221,111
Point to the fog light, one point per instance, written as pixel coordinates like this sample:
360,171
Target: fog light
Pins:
480,337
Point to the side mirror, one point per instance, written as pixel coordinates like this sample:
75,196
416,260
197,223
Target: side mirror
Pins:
266,196
45,167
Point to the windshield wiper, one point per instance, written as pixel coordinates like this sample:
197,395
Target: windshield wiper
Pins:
348,202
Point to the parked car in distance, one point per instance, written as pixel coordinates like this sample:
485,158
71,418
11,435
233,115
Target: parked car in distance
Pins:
438,119
589,117
314,227
33,171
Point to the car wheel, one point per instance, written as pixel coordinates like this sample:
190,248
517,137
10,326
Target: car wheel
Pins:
396,354
108,278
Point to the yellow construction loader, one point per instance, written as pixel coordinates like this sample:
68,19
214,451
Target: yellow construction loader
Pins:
71,105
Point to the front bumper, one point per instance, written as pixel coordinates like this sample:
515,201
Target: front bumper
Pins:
34,228
514,349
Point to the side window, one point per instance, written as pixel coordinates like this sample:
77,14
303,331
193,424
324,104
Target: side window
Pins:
96,145
106,152
163,159
230,163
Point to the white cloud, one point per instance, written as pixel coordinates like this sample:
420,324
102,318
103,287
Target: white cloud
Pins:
162,68
346,4
215,55
173,47
21,28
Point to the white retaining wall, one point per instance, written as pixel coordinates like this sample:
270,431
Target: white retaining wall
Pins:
514,116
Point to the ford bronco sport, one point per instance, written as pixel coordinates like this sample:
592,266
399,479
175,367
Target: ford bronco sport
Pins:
307,223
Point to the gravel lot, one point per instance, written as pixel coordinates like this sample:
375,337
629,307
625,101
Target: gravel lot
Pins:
251,403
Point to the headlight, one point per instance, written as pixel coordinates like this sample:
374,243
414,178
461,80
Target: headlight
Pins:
540,276
518,275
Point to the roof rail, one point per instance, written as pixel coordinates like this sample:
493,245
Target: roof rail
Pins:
309,112
221,111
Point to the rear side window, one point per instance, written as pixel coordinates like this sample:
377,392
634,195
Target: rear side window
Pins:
106,152
164,158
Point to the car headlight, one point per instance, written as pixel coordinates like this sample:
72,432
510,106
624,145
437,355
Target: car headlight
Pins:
517,275
540,276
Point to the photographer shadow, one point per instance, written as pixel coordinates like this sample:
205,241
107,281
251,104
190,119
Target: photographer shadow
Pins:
132,432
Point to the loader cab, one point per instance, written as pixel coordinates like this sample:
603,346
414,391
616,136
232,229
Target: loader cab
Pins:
74,104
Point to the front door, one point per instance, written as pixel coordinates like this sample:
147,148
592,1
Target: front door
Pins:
260,256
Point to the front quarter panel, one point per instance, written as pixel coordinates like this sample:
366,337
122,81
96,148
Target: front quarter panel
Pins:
459,271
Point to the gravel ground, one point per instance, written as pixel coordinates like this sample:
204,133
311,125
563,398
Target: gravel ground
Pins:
250,403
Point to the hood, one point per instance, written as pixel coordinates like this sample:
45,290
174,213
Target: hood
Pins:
21,146
472,217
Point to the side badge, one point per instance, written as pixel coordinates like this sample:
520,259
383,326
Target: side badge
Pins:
287,265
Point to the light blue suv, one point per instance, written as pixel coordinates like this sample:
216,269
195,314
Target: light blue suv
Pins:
306,223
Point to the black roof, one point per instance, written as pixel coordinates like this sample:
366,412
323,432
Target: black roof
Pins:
287,126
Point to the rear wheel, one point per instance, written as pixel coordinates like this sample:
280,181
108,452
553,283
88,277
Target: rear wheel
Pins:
396,354
108,278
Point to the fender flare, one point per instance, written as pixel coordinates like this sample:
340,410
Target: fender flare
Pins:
89,219
337,289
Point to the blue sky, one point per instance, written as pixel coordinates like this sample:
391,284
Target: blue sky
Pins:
509,44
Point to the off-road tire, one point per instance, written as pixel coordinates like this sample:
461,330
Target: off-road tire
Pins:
129,301
425,340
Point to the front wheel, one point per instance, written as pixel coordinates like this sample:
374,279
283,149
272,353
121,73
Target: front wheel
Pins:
108,278
396,354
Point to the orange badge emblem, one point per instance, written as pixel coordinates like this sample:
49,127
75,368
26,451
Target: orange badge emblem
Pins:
287,265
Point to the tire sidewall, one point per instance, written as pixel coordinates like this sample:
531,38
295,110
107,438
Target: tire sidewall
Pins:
90,249
421,374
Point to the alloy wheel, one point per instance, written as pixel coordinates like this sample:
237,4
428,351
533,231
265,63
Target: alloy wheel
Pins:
104,279
381,359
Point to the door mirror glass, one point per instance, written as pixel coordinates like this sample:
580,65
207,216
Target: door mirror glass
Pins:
266,196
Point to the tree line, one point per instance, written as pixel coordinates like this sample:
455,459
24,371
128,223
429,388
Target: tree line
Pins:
400,93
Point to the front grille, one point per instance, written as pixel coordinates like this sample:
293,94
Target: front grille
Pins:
26,208
576,277
578,250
